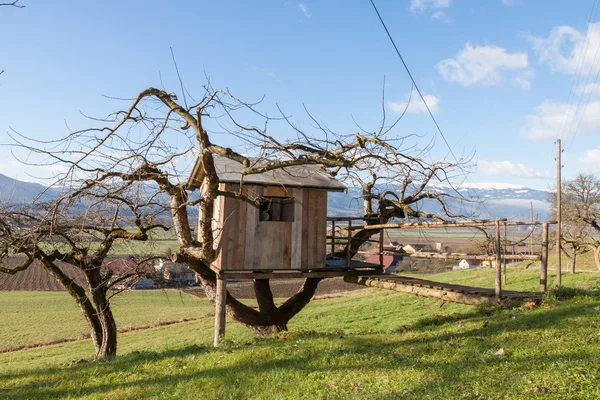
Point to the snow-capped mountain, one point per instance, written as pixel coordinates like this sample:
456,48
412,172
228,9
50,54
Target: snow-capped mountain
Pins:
481,201
477,201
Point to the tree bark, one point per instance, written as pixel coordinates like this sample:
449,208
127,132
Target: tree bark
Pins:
106,349
573,261
597,257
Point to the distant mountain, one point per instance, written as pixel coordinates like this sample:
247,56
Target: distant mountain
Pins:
15,191
487,201
481,202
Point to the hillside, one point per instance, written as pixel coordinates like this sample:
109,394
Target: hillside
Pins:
15,191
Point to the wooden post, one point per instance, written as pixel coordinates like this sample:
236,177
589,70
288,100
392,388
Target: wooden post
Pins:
498,264
558,214
349,245
544,263
381,247
532,227
504,251
220,302
332,237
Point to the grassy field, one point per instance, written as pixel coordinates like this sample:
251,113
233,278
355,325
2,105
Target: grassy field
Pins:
376,345
34,317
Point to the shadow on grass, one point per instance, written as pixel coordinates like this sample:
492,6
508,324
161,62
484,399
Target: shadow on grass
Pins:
333,354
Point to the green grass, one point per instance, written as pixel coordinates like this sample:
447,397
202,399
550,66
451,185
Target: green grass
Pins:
33,317
382,345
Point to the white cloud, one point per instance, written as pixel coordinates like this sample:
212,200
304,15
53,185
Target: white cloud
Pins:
415,105
567,50
440,15
591,161
486,65
304,8
552,120
422,5
509,168
589,89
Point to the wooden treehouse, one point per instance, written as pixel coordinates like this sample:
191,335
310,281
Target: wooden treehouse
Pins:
286,236
286,233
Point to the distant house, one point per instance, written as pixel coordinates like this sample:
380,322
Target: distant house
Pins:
178,272
414,248
389,262
487,263
463,264
394,245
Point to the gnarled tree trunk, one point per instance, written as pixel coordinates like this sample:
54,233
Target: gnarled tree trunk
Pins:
106,344
268,318
573,261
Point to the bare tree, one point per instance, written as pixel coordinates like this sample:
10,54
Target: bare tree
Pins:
580,216
80,235
151,144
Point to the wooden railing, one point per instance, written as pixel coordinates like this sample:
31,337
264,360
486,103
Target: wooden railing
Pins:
351,224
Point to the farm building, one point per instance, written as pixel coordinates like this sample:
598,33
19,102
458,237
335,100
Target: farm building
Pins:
287,232
413,248
173,271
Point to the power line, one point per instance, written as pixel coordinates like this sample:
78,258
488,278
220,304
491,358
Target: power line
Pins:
591,90
577,76
422,98
413,80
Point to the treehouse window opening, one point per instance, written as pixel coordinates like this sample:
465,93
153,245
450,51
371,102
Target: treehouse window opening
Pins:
279,209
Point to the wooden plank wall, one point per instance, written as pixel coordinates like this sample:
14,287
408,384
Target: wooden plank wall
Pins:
249,244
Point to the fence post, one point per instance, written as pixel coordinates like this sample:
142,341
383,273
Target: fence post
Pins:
498,264
332,237
349,245
381,247
544,263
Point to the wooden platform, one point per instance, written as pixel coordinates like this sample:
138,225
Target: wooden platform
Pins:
443,291
357,268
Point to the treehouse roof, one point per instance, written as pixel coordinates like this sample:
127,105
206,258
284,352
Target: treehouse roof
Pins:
302,176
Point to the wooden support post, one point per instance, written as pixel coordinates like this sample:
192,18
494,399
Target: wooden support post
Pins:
220,302
544,263
349,245
381,247
332,237
498,264
558,214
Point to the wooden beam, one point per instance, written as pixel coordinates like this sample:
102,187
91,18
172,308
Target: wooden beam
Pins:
449,224
460,256
349,218
220,306
241,275
442,294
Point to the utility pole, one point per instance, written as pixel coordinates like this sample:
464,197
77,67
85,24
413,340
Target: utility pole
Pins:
558,212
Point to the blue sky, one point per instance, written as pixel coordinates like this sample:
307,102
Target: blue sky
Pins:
496,73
